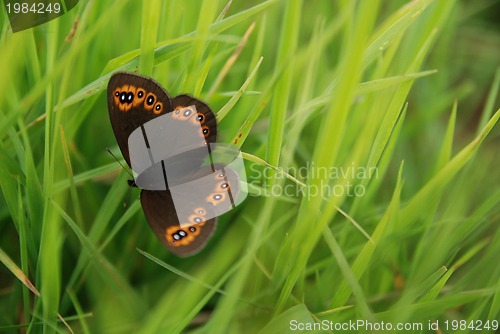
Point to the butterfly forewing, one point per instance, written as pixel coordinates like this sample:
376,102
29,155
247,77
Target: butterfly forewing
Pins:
204,115
132,101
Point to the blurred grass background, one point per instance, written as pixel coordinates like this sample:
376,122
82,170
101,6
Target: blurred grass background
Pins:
407,87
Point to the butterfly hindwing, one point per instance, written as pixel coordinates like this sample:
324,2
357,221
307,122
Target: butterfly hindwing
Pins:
216,191
198,205
160,213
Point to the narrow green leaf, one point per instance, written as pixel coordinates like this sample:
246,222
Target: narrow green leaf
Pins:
290,320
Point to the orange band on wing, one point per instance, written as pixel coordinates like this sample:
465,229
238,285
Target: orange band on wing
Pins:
182,236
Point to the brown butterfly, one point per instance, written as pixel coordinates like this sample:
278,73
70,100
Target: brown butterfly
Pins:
134,102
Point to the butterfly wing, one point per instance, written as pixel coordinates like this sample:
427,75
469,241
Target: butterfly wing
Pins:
205,115
160,213
179,137
132,101
214,193
198,204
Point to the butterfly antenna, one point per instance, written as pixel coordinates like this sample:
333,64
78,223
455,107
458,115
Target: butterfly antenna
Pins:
109,151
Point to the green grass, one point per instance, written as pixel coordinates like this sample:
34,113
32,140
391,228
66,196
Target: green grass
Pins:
406,89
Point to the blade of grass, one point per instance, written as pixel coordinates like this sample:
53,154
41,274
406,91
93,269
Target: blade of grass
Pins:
72,188
7,261
438,287
363,260
233,100
230,62
298,314
208,8
412,210
49,254
106,271
149,30
80,314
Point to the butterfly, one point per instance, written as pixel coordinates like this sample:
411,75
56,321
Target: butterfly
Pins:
167,142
